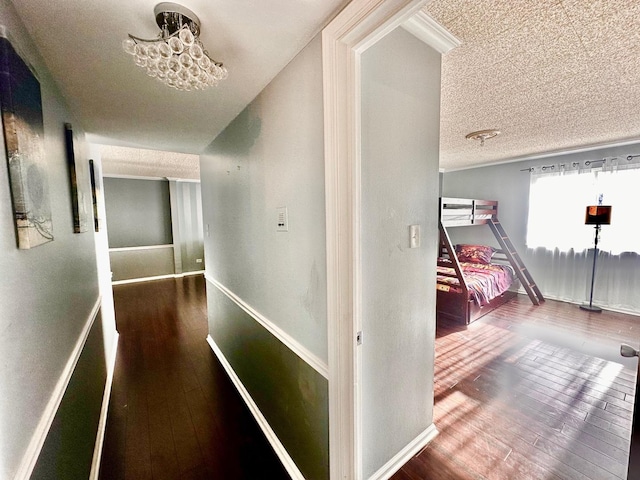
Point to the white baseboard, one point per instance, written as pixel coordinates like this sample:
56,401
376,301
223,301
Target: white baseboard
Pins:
186,274
406,454
30,456
135,249
548,296
102,424
159,277
272,438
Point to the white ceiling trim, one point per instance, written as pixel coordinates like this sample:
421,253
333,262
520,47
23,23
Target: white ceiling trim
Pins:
425,28
555,153
133,177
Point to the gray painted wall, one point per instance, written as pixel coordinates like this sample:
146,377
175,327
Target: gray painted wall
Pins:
46,293
400,132
272,156
508,184
132,264
138,212
292,396
68,449
147,212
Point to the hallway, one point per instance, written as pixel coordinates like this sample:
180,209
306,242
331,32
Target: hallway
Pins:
527,381
173,412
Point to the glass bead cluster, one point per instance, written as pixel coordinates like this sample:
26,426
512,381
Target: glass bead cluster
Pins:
179,60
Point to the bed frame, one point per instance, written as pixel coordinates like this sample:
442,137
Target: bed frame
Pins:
455,212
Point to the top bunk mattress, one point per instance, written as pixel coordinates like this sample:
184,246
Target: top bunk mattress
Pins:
466,211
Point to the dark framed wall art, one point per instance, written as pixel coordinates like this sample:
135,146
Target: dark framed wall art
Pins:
94,196
78,203
23,127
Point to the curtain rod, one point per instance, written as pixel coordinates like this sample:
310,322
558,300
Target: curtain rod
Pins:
588,163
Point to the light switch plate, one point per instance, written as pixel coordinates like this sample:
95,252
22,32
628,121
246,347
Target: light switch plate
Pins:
283,220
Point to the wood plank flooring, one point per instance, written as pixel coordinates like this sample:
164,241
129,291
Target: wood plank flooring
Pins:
524,393
531,393
173,413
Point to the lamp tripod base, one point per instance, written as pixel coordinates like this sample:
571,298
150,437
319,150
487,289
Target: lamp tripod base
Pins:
591,308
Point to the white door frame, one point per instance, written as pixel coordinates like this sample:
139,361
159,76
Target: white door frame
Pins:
360,25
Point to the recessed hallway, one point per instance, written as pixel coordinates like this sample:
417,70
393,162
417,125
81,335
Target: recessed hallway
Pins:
173,412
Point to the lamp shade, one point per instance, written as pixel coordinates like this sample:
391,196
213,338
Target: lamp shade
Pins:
598,215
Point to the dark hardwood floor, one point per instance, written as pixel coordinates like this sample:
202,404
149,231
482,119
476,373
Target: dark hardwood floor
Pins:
524,393
173,412
531,393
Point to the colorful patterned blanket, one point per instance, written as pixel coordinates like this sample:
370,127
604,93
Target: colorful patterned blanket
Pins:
485,281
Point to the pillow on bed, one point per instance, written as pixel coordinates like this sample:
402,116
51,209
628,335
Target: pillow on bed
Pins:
474,253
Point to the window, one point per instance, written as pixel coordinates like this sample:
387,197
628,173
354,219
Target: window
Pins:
557,204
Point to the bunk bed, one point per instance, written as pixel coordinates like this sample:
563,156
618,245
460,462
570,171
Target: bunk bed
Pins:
473,280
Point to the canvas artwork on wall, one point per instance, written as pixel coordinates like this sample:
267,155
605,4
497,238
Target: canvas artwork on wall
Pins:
94,196
21,106
78,203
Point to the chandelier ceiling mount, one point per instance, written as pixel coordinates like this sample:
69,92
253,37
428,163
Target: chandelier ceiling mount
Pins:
482,135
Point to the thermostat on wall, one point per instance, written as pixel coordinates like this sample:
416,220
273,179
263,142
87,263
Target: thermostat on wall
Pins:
283,220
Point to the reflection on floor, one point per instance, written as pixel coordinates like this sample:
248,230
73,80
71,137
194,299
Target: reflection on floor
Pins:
532,393
173,412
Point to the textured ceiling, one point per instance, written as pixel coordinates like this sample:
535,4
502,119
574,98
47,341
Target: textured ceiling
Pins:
551,75
149,163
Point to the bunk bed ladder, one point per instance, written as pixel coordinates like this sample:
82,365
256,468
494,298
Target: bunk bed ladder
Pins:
516,262
445,242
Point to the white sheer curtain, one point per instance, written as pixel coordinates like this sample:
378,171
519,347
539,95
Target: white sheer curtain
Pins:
560,245
621,189
557,204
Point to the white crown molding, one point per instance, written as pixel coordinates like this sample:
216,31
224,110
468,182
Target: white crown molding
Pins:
148,177
288,463
134,177
126,176
30,456
296,347
425,28
182,180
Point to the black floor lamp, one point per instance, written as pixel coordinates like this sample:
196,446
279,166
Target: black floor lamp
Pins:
596,215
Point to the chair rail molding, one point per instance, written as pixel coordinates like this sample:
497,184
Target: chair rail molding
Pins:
30,456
